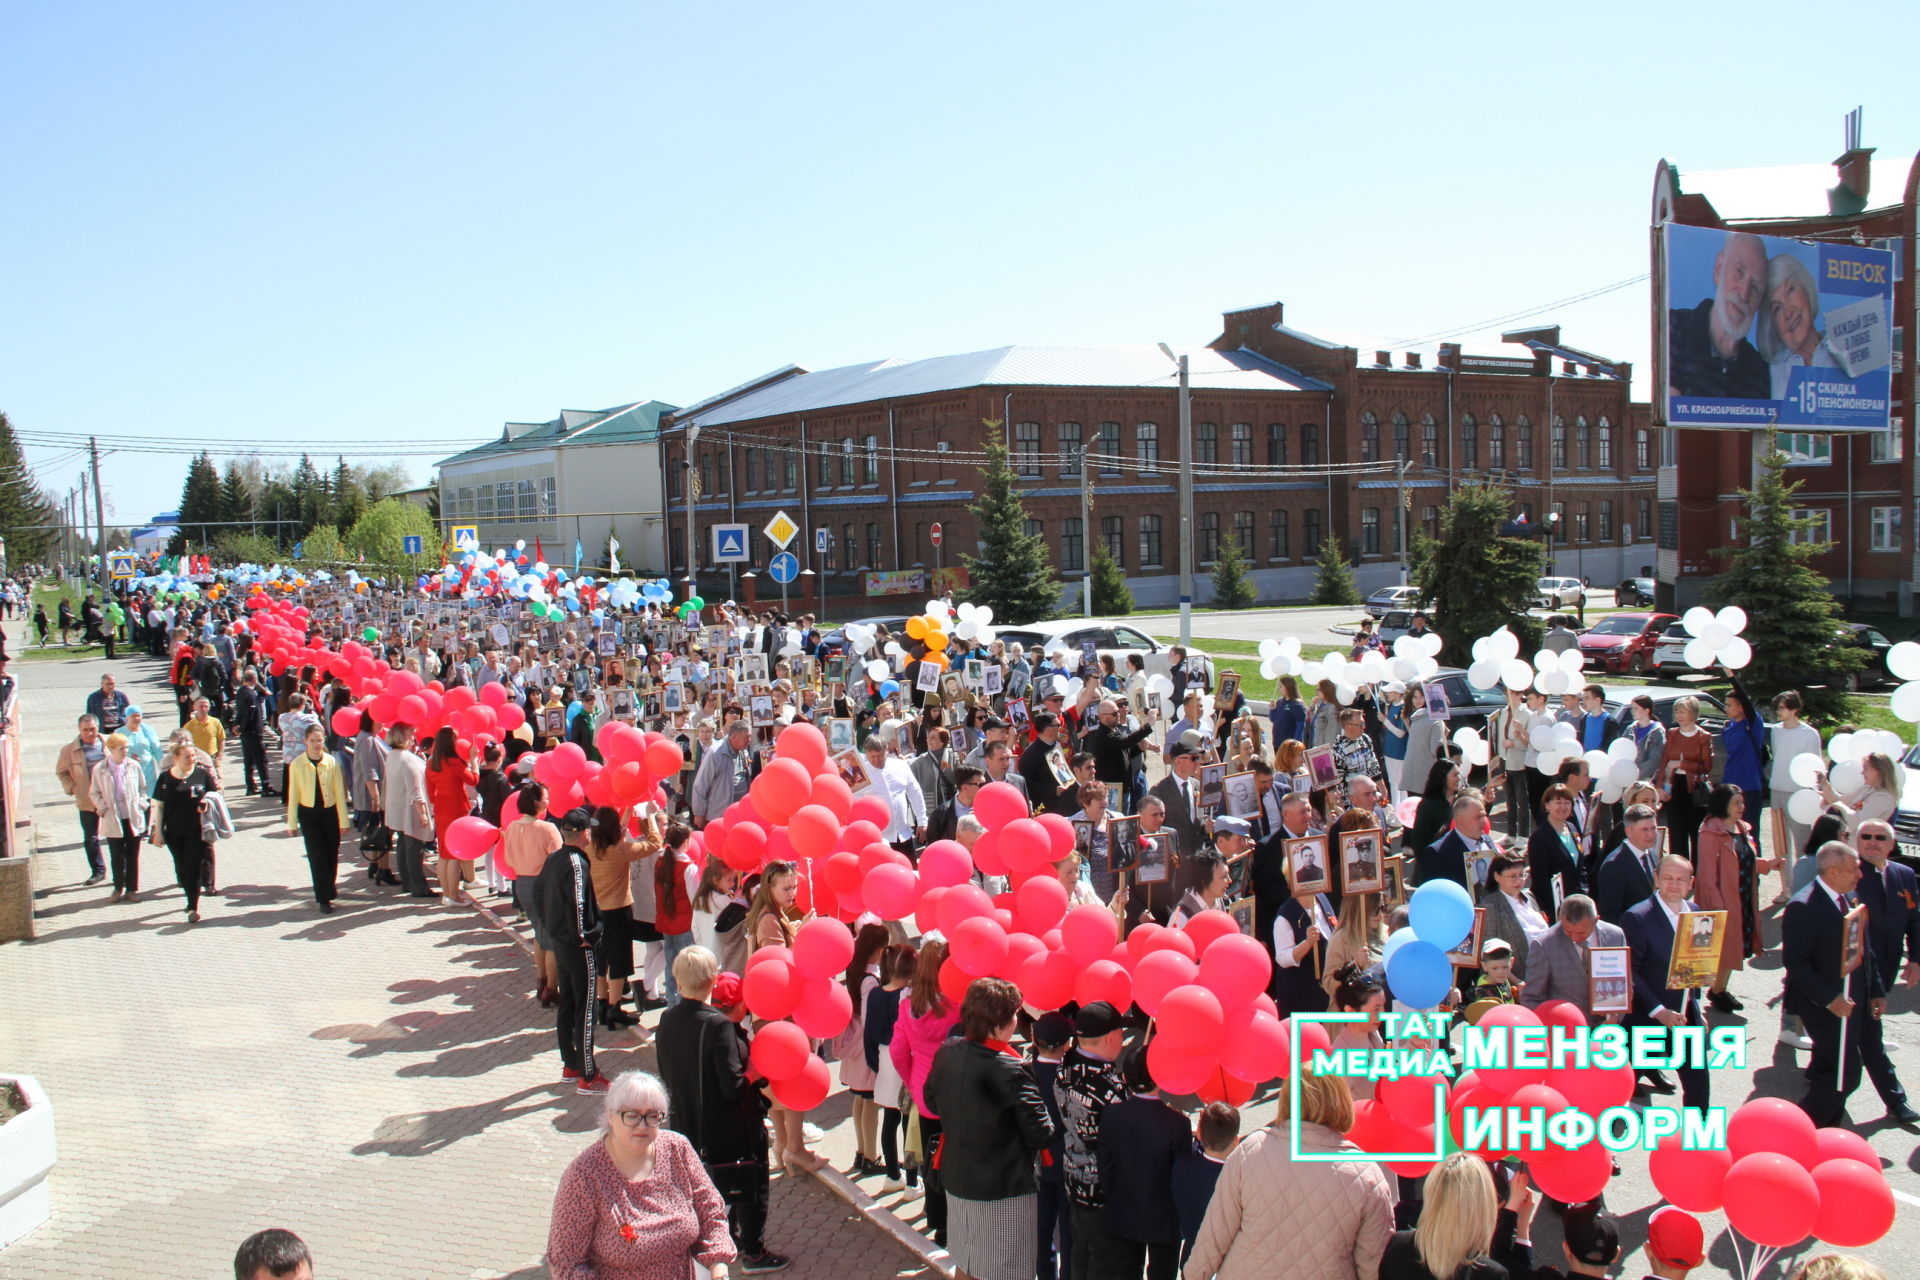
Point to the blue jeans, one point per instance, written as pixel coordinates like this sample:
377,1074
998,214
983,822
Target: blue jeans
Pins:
676,943
90,841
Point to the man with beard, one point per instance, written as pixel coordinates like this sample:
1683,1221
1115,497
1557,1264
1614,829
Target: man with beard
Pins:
1707,349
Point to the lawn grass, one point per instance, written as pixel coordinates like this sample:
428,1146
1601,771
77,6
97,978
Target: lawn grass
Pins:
55,652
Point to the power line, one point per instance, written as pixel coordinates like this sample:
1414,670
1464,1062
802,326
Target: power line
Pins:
1511,316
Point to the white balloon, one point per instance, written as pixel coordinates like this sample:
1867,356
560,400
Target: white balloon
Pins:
1805,769
1542,737
1621,749
1847,778
1621,773
1737,654
1373,667
1506,645
1805,807
1546,660
1432,643
1270,669
1885,740
1477,753
1311,673
1696,620
1567,736
985,614
1464,735
1345,693
1733,618
1715,636
1841,748
1160,686
1425,667
1269,648
1551,760
1406,669
1610,794
1515,674
877,670
1556,682
1904,660
1482,649
1484,673
1334,660
1407,646
1698,654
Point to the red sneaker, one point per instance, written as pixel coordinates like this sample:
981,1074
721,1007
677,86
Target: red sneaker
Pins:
594,1084
568,1073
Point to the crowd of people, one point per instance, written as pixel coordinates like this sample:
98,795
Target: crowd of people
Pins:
1040,1143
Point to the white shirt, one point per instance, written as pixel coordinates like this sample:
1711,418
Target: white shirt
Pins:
1785,743
906,804
1284,942
1532,923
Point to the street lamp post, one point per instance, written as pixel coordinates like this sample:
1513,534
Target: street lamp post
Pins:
1186,497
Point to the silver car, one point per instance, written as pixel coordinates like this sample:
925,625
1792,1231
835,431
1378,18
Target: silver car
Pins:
1559,593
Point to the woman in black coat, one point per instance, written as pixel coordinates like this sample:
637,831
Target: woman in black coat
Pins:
1553,850
994,1125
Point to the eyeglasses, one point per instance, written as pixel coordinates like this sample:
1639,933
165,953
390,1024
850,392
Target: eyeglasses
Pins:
634,1119
1881,839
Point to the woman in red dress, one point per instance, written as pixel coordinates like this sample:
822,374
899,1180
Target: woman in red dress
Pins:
451,787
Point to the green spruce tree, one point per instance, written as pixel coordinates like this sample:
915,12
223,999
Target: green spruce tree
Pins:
1232,588
310,498
1792,615
199,506
23,505
1476,579
1111,595
1013,575
1335,583
349,499
236,496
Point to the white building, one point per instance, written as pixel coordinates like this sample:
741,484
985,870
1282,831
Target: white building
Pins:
583,477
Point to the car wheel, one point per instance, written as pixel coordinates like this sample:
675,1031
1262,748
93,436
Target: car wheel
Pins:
1639,664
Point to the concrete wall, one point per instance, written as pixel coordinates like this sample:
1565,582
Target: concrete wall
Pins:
613,488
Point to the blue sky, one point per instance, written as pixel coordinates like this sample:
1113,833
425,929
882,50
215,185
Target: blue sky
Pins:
416,221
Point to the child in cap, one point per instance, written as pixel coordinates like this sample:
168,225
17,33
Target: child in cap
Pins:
1675,1244
1496,973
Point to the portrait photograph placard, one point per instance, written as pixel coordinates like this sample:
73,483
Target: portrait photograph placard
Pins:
1361,864
1610,979
1307,864
1467,954
1696,950
1242,795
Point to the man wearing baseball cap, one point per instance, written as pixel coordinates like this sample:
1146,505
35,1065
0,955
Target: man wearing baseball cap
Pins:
1087,1084
1591,1242
1675,1244
571,915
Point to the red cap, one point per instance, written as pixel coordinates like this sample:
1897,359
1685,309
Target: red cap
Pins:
727,991
1675,1239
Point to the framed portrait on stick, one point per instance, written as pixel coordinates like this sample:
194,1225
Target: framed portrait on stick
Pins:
1393,888
1307,865
1696,950
1610,979
1467,954
1853,939
1361,865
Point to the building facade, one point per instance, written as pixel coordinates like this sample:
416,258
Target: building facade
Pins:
584,477
1860,486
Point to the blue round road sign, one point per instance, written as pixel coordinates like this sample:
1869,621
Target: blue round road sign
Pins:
784,568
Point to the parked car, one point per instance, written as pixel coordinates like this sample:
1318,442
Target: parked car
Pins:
1387,599
1634,593
1713,714
1624,642
1559,593
1111,638
1669,655
836,639
1906,819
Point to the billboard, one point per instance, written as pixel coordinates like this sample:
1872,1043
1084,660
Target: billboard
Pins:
1764,329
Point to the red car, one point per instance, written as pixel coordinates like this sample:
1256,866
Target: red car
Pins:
1624,642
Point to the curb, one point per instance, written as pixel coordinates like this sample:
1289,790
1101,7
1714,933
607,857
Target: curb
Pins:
870,1209
501,925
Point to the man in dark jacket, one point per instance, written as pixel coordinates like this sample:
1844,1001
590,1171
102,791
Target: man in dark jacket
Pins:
1116,752
944,821
1052,1033
1891,893
564,894
1830,1001
1043,764
1141,1138
1649,927
702,1055
1088,1083
252,709
1196,1173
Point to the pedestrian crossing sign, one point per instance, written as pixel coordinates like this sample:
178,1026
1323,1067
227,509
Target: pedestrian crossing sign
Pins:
120,564
730,543
466,537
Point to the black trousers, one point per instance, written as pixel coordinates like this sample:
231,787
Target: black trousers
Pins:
320,828
1683,822
253,760
1827,1089
936,1211
1097,1253
1055,1254
1879,1067
409,855
90,841
192,866
125,854
743,1185
1158,1261
573,1020
1694,1088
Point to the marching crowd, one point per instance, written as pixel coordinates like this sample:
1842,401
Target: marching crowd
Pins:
1039,1145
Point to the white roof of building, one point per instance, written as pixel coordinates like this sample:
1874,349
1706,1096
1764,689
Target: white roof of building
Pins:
1792,190
802,391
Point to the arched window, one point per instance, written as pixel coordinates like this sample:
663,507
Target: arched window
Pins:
1469,443
1369,437
1522,444
1402,450
1496,444
1429,441
1558,459
1582,443
1606,445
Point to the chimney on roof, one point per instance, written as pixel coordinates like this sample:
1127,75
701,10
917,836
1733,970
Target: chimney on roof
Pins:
1449,357
1854,168
1384,359
1413,359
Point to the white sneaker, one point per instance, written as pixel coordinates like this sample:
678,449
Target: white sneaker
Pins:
891,1185
1795,1040
912,1192
813,1133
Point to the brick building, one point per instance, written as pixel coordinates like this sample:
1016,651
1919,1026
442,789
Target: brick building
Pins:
1861,484
1293,438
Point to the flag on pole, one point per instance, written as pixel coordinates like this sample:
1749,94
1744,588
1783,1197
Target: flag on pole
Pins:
613,555
539,556
579,552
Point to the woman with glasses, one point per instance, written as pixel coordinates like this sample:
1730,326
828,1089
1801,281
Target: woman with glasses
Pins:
637,1204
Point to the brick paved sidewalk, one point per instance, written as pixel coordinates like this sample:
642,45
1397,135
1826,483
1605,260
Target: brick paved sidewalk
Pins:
379,1080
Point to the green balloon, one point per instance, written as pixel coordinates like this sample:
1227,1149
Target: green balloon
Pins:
370,634
696,604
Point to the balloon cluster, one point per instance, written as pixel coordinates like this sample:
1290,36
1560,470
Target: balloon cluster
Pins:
1781,1180
1414,658
1903,660
1847,750
1497,661
1418,971
1716,638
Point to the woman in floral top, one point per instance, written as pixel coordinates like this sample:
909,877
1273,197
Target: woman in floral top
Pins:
638,1204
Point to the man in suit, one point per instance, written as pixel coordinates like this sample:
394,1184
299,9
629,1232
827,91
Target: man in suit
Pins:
1180,793
1115,751
1044,789
1626,876
998,765
1557,959
1449,857
944,821
1829,1001
1650,927
1892,894
933,769
1268,877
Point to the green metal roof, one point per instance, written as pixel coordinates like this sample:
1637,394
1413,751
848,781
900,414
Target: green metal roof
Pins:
636,423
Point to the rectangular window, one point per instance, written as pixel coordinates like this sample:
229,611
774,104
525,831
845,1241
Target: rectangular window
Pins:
1643,450
1804,449
1429,442
1206,445
1113,531
503,499
1886,528
849,548
1146,441
486,503
1026,448
463,501
1277,534
1370,532
1523,447
1107,444
1469,443
1149,542
848,461
528,499
1277,444
1820,531
674,468
1430,523
1559,461
750,482
1369,438
1310,532
1581,527
1208,546
1034,529
1242,441
826,465
549,497
1243,532
1401,428
1606,521
791,461
1644,530
1497,446
1071,545
872,473
1889,445
1071,449
1309,444
873,545
1606,447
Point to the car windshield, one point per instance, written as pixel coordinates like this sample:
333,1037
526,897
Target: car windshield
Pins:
1618,625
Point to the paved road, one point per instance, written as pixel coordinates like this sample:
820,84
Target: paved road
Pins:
379,1080
1318,627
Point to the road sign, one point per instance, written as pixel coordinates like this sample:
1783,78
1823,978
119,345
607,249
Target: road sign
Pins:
730,543
466,537
120,564
781,529
822,540
784,567
934,533
413,544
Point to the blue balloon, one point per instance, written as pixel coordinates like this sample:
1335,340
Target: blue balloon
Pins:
572,603
1441,913
889,688
1395,941
1419,975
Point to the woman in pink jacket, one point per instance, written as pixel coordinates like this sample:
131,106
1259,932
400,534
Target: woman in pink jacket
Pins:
1727,871
924,1026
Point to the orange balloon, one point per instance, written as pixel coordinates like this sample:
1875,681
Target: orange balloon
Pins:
935,638
916,627
937,660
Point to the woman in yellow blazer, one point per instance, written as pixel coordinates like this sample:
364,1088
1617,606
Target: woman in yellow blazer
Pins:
317,809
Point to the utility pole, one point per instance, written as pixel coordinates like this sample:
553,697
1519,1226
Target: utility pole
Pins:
1186,498
1400,518
99,520
693,499
1086,536
80,551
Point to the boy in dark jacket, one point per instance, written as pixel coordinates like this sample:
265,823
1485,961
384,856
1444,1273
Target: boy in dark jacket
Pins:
1197,1171
1050,1036
568,909
1140,1139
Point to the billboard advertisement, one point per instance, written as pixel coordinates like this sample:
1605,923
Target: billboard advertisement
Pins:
1761,329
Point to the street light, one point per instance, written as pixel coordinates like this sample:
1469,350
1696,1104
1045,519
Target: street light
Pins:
1186,496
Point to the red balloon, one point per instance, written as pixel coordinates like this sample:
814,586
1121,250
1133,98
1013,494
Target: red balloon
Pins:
1221,1086
807,1090
986,855
822,949
746,848
568,758
346,721
1158,975
1060,834
871,808
945,862
1771,1198
1409,1099
782,787
1772,1124
999,803
1475,1098
813,830
1088,933
1256,1047
842,873
1313,1037
1571,1177
769,955
512,716
1593,1089
1506,1018
1372,1129
825,1005
773,990
1040,902
1191,1017
1411,1137
1175,940
1104,980
1210,926
470,837
802,742
954,982
858,833
1047,981
962,902
1561,1013
1024,844
1140,940
494,695
978,945
1856,1204
1234,967
1022,949
1174,1071
830,793
1844,1144
662,758
780,1051
413,710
